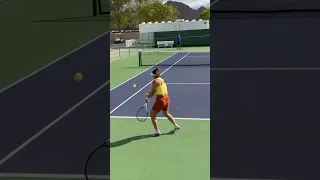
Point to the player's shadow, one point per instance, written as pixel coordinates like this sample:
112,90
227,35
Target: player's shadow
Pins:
135,138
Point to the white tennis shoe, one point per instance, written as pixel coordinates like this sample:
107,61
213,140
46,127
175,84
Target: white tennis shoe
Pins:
176,127
156,133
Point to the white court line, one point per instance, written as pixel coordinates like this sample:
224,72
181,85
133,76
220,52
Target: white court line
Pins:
147,84
187,83
58,176
51,63
19,148
263,69
141,72
179,118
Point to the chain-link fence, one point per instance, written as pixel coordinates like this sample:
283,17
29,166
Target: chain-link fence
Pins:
145,40
116,54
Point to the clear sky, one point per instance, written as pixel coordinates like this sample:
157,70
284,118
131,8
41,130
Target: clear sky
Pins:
194,3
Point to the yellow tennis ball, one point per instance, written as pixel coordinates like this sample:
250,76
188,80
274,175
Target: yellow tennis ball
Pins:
78,77
134,85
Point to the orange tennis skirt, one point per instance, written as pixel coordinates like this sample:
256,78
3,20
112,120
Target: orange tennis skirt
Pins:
162,103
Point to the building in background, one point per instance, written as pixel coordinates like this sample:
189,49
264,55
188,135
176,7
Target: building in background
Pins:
151,32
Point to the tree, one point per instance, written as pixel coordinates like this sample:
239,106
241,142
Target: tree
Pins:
133,19
119,10
205,14
155,10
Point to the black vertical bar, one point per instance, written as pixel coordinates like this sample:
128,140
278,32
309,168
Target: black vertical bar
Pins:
140,62
100,7
94,7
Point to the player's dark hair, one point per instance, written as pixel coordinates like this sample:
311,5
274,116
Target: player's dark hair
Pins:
155,72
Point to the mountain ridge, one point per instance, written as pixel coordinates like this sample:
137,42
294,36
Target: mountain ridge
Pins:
185,11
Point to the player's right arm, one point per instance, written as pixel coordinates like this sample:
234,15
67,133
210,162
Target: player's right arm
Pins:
152,92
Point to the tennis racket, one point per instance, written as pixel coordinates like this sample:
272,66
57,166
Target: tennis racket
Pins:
142,113
104,145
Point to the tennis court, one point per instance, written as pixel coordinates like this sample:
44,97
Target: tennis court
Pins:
33,33
181,155
264,75
49,124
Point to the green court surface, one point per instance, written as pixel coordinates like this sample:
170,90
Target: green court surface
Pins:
123,69
34,33
135,155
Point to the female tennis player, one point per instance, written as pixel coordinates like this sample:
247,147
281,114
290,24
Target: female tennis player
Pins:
162,103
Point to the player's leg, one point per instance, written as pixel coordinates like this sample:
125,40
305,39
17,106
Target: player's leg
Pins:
171,119
158,105
166,113
155,123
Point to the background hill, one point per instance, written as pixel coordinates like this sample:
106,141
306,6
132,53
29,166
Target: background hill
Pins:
186,12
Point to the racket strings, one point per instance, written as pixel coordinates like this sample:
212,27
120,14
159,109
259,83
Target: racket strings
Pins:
142,113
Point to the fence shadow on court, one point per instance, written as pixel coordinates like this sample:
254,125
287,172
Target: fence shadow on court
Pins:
135,138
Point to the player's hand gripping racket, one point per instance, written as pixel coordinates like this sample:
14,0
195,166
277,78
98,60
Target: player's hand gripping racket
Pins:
142,113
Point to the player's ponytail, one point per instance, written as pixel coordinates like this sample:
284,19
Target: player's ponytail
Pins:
156,72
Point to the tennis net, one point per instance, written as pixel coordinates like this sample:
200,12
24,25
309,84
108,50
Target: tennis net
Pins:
264,5
174,58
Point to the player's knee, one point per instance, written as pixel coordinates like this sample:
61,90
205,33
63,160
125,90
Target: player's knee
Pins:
153,114
165,113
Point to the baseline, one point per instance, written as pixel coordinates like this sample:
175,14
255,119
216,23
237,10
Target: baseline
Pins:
179,118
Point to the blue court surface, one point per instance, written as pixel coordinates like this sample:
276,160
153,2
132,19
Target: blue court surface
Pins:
49,123
188,86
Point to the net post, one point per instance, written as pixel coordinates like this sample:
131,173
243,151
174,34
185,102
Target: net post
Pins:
94,7
139,54
99,7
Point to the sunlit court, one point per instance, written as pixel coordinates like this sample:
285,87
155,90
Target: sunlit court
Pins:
132,146
181,154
